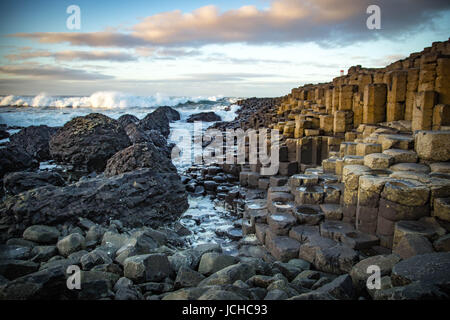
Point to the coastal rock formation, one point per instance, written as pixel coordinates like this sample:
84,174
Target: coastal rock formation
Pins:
204,116
137,135
138,198
17,182
88,141
13,159
172,114
159,120
34,140
137,156
3,133
126,119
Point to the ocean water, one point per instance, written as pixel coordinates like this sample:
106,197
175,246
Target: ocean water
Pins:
204,216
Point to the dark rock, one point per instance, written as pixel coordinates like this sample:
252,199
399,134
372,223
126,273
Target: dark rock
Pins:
172,114
157,120
204,116
149,267
88,141
94,258
137,156
34,140
229,275
43,253
14,252
49,283
72,243
340,288
3,134
212,262
137,198
13,159
13,269
431,268
138,135
17,182
187,277
132,293
126,119
41,234
97,285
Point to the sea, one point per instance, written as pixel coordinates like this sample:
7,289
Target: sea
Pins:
206,218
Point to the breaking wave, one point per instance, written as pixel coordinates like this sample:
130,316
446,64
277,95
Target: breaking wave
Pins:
103,100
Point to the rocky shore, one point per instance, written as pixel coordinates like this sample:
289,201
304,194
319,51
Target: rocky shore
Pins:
363,181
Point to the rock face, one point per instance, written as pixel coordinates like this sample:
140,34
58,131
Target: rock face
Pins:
34,140
204,116
17,182
142,155
157,120
430,268
138,135
88,141
13,159
137,198
172,114
126,119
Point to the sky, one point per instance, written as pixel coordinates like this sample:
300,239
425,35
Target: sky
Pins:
208,48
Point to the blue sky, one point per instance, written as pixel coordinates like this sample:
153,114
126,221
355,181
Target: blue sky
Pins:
231,48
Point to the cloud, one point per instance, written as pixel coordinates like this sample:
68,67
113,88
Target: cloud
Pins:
51,72
329,22
70,55
166,53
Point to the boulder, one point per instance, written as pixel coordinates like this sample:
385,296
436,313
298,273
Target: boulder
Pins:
49,283
72,243
17,182
138,198
13,158
88,141
187,277
41,234
340,288
148,267
43,253
12,269
34,140
359,272
411,245
126,119
137,156
94,258
430,268
172,114
204,116
229,275
14,252
157,120
212,262
218,294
